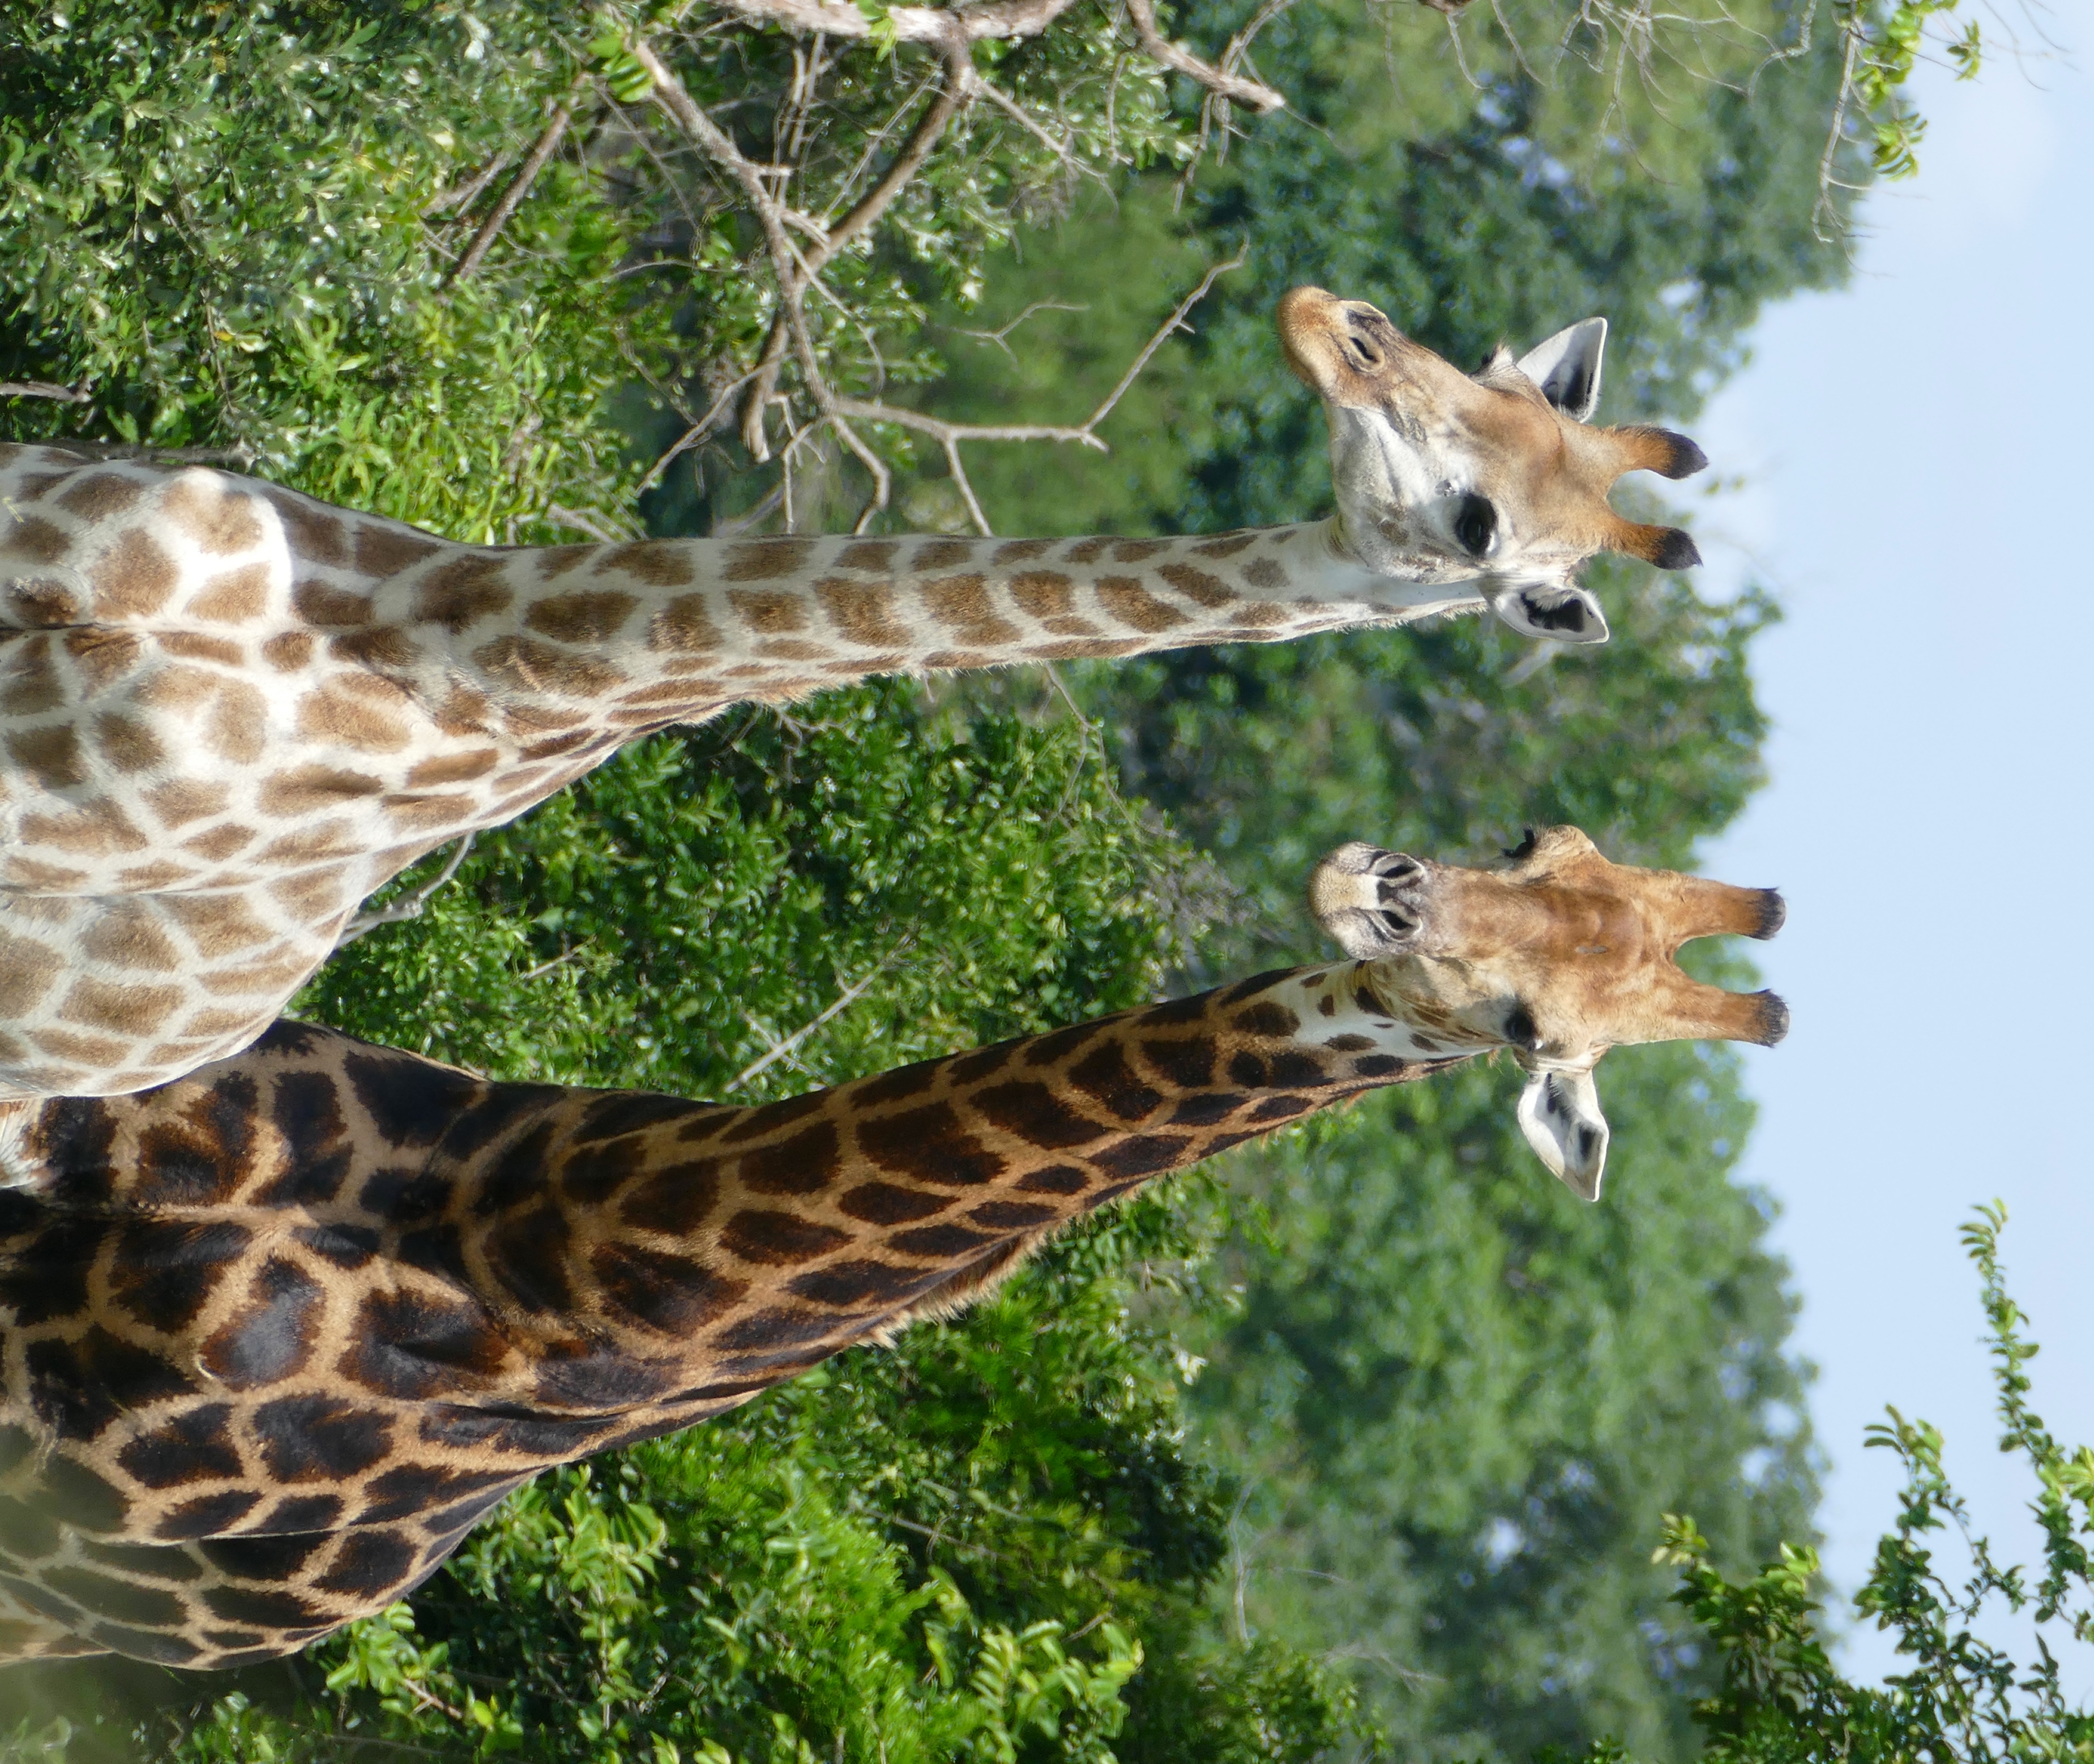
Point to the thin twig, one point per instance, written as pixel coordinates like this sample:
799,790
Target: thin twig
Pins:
519,186
1256,94
42,388
460,195
564,516
409,906
844,1000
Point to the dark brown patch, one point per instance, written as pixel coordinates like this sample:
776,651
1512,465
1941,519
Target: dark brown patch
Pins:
374,647
1056,1179
1128,601
555,562
861,1284
674,1202
765,560
270,1336
686,624
50,757
289,652
801,1165
126,936
1134,551
582,618
132,578
33,684
97,829
658,563
39,541
941,554
313,531
460,594
963,604
884,1203
183,800
875,556
218,924
1268,1018
930,1143
99,495
1019,550
384,549
454,768
1034,1114
199,646
767,613
1092,649
1043,593
330,608
1350,1044
1186,1065
770,1238
673,1294
1196,585
1264,573
194,1445
410,1346
1105,1076
1225,544
1143,1154
942,1243
1086,550
862,614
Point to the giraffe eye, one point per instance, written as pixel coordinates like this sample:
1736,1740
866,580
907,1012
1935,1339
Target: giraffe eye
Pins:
1476,524
1519,1029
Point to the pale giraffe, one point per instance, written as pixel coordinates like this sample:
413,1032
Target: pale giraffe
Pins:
229,712
274,1337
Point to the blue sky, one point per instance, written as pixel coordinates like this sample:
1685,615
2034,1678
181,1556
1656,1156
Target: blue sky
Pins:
1916,460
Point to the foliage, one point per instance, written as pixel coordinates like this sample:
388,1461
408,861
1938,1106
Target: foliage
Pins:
1780,1700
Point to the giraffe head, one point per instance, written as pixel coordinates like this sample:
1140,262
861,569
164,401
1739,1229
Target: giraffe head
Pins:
1556,954
1497,478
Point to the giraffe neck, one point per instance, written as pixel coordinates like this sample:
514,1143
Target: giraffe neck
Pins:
661,631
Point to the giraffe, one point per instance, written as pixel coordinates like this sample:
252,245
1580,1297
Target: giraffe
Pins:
274,1336
228,711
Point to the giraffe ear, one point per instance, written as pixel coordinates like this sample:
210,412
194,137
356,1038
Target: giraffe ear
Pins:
1559,1112
1567,367
1560,611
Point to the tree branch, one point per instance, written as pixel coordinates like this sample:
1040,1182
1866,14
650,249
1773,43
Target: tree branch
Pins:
1233,87
42,388
1001,19
519,187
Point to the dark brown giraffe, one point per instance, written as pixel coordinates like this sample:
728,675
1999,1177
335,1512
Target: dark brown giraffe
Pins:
274,1336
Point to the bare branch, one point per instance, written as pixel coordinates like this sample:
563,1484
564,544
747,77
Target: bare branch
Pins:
1174,322
1233,87
458,195
695,433
1000,336
512,197
239,454
844,1000
42,388
1001,19
583,524
408,906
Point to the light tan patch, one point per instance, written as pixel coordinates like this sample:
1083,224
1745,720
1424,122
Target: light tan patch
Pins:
133,578
214,1024
178,688
290,652
1261,613
218,924
340,837
957,659
96,1004
430,812
100,494
793,650
860,613
582,618
463,712
272,978
183,799
454,768
1126,600
27,971
658,563
218,843
237,728
316,894
768,615
50,757
765,560
194,645
385,548
525,665
221,519
232,595
161,873
32,876
685,623
1083,650
128,935
96,1050
103,658
1072,628
30,682
865,665
127,744
359,710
